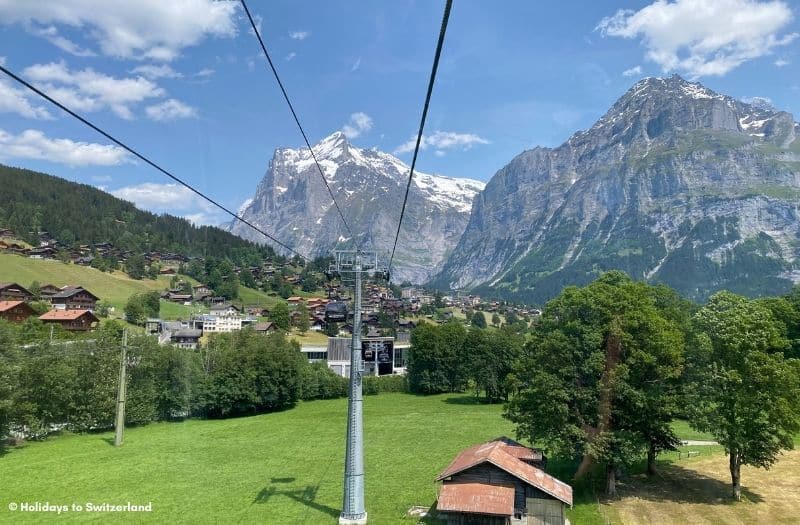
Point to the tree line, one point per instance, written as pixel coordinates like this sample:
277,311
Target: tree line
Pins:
608,366
47,385
37,202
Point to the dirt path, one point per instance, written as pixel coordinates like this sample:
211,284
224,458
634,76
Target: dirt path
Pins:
698,492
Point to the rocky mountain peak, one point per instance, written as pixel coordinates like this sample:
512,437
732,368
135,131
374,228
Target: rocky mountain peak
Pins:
676,183
333,146
369,185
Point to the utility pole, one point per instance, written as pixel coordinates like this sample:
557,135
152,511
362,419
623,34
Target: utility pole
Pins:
354,512
119,426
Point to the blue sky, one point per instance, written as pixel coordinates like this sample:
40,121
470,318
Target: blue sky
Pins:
188,86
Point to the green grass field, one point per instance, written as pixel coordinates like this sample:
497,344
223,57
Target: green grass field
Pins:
276,468
287,467
114,288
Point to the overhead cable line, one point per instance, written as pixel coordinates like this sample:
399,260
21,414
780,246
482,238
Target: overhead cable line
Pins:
431,81
146,160
294,114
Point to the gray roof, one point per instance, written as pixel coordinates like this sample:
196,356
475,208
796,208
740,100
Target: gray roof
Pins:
72,290
188,332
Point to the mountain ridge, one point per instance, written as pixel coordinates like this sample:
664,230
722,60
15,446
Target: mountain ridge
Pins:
602,200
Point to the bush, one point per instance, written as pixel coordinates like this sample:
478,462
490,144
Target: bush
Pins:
377,384
320,382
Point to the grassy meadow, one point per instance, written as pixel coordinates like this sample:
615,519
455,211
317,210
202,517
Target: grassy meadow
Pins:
284,467
287,467
113,287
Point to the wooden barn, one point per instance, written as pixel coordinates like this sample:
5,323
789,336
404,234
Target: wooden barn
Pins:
501,482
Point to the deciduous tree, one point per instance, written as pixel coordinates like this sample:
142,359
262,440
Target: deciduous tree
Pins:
743,391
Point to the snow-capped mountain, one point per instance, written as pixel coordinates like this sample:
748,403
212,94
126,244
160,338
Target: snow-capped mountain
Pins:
675,183
292,202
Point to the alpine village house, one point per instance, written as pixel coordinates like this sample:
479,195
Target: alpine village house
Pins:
72,306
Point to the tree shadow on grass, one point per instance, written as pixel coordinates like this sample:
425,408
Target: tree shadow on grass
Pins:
465,400
305,495
682,485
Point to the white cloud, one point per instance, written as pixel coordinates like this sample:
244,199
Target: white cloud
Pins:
34,144
703,37
761,102
171,198
290,56
442,140
632,72
13,100
205,72
359,123
89,90
152,29
781,62
171,109
50,33
153,71
299,35
258,19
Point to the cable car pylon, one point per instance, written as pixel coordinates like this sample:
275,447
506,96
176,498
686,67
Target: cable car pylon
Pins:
356,262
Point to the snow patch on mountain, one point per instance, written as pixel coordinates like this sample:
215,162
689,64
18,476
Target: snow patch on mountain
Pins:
369,186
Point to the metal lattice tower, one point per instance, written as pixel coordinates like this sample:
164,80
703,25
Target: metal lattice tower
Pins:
354,512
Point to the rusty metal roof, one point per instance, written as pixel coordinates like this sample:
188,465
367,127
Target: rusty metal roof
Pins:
497,453
66,315
476,498
520,451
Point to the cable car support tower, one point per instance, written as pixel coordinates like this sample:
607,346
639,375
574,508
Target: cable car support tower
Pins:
357,263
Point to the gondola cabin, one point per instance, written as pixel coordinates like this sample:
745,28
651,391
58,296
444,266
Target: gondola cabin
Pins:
335,312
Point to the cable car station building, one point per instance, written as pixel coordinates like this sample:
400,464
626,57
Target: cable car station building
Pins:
381,355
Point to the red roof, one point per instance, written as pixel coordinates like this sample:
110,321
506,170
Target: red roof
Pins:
497,453
520,451
8,305
476,498
65,315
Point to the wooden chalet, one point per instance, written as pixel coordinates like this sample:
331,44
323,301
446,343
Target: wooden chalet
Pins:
15,311
294,300
74,298
265,328
14,292
501,482
186,338
43,252
178,297
75,320
49,290
201,291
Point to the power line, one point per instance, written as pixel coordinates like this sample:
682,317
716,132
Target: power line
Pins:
146,160
294,114
435,67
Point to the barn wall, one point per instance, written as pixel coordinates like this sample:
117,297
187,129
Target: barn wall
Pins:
488,473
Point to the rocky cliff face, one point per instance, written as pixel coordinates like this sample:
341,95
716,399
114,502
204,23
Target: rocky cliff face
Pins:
675,184
292,203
